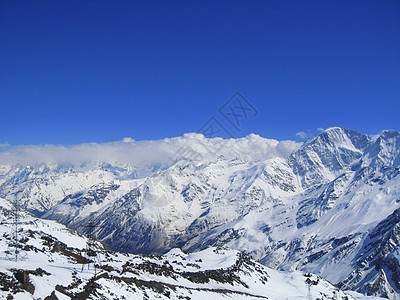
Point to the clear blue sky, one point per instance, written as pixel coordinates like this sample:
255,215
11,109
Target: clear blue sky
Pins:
98,71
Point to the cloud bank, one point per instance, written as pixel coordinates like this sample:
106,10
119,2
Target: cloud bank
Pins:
152,152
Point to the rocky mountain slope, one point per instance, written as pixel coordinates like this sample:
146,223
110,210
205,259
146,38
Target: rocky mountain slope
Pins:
57,265
328,206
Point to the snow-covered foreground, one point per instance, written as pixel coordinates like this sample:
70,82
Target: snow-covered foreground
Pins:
57,268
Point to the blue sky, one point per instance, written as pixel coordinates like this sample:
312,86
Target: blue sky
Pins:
96,71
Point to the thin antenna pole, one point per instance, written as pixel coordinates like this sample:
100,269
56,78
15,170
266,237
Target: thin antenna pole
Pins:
91,244
18,252
16,223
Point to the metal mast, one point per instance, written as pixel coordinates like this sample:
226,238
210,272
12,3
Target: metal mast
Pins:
91,249
16,247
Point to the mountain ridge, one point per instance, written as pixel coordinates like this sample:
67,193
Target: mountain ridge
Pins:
59,265
310,210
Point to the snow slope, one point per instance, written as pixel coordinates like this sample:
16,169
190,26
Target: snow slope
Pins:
57,267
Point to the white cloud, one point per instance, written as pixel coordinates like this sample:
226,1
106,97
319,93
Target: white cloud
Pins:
301,134
128,140
320,129
149,153
4,145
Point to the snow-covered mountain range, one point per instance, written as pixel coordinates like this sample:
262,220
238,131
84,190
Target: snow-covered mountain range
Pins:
328,206
57,265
